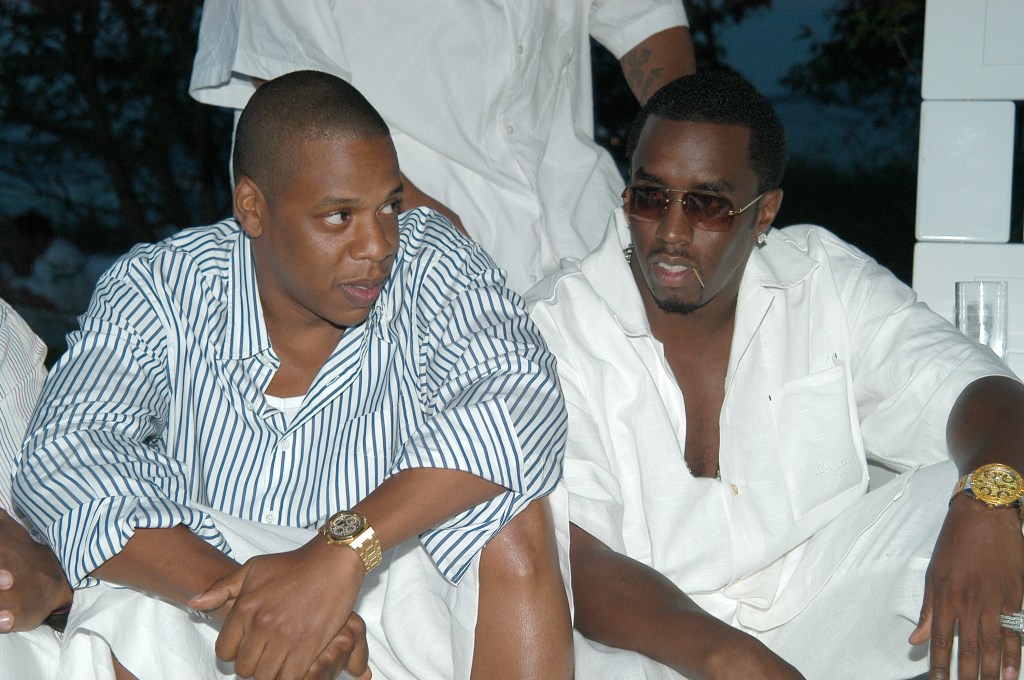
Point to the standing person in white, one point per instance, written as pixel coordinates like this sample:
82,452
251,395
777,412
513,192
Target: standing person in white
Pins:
726,384
489,103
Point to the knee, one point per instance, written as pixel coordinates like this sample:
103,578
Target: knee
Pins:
525,549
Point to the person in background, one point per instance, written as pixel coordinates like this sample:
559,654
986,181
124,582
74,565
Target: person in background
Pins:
347,401
34,593
726,384
489,104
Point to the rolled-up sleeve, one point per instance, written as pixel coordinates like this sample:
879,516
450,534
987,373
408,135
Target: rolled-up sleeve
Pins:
621,25
94,466
489,386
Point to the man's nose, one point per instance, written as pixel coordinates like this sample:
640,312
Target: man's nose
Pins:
675,226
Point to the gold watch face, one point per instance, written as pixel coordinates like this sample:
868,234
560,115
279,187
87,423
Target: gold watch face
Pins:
344,526
997,484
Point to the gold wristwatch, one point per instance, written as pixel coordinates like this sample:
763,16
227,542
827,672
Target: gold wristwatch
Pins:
351,529
996,485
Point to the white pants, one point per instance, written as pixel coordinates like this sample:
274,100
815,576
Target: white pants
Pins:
419,626
853,624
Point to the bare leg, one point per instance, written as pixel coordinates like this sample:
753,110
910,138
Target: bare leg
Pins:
120,672
523,627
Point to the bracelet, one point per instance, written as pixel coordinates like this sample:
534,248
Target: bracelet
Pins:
58,618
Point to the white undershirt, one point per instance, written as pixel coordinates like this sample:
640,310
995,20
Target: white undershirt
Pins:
288,405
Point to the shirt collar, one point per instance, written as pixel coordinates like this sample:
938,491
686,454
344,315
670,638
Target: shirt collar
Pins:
779,263
246,330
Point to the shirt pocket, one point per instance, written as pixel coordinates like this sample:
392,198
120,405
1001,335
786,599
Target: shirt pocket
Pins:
364,449
819,444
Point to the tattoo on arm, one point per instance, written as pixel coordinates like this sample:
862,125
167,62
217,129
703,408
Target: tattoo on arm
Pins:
640,80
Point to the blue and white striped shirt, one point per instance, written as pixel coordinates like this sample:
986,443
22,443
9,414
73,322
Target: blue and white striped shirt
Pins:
159,400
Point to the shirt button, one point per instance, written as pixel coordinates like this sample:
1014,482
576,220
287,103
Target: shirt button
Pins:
270,517
250,406
519,48
533,278
510,129
284,444
735,489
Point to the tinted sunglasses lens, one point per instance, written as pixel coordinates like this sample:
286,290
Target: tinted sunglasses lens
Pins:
708,211
646,204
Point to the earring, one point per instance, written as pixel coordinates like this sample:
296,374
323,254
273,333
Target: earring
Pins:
628,251
762,238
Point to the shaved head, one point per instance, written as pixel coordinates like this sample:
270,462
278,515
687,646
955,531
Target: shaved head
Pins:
297,107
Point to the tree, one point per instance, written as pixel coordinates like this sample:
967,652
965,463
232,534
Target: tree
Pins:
870,61
614,104
98,123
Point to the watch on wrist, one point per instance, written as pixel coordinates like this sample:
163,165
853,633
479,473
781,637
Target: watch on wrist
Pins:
351,528
996,485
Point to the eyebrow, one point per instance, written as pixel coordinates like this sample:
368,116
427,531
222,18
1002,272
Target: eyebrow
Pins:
338,200
718,186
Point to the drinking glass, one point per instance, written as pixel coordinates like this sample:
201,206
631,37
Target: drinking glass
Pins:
981,313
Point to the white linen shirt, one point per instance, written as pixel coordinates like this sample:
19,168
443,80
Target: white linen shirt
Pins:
21,378
832,360
489,103
159,403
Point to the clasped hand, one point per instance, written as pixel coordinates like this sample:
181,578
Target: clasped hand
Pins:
976,574
32,582
290,615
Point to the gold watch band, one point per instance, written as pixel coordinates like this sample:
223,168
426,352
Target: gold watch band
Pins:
367,546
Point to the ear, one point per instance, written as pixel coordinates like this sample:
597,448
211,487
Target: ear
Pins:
770,205
250,205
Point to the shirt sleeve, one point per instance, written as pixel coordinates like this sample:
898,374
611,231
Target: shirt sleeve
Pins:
596,502
489,387
621,25
911,367
94,464
240,40
21,378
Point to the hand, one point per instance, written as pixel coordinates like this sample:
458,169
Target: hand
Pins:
286,615
32,582
976,574
412,197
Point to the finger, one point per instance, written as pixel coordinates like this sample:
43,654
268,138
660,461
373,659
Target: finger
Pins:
969,643
6,621
941,641
359,661
923,631
991,645
213,598
230,638
6,579
1011,654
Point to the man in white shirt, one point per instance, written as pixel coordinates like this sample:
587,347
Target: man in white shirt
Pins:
320,361
489,103
726,385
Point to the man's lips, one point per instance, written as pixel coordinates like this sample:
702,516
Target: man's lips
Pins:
364,292
674,272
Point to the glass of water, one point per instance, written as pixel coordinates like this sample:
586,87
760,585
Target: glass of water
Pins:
981,313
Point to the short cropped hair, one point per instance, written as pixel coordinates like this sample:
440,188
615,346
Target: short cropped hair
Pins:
292,109
724,98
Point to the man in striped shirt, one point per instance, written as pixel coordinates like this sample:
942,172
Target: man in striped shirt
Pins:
235,386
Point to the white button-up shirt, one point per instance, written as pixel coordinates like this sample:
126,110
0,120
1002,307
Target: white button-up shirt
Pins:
832,361
489,103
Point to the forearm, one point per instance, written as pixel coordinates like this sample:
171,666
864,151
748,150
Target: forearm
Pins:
174,564
986,424
658,60
412,501
625,604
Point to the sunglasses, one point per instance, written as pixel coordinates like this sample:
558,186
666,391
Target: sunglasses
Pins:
705,211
